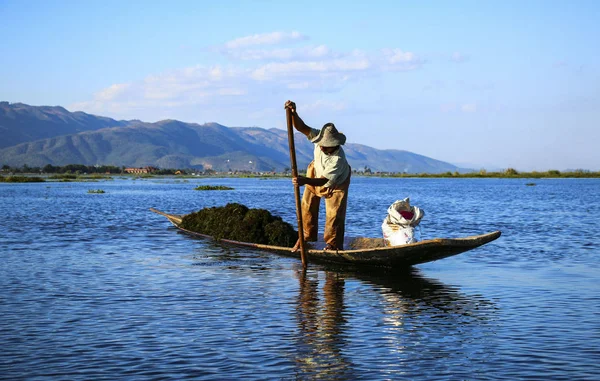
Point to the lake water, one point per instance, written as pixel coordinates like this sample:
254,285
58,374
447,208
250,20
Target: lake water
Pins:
94,286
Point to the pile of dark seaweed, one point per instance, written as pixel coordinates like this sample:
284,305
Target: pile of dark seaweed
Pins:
239,223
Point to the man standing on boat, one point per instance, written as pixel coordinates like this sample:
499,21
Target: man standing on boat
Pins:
328,177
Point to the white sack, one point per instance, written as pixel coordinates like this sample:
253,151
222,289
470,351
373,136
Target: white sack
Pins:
395,235
399,230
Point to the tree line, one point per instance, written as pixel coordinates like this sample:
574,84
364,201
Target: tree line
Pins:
507,173
111,169
77,169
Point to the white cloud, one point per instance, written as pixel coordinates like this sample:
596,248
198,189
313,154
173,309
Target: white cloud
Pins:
319,51
281,54
469,107
192,83
264,39
268,72
458,57
397,59
397,55
324,105
260,54
116,108
112,92
298,68
188,86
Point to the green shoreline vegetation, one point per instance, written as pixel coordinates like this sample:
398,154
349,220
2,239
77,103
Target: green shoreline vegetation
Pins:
21,179
77,172
509,173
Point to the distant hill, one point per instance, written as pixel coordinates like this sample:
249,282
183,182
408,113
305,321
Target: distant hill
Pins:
53,135
20,123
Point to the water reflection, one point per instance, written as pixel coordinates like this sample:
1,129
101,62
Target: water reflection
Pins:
406,311
321,324
349,323
410,288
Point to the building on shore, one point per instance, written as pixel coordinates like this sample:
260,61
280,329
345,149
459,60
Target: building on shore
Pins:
141,170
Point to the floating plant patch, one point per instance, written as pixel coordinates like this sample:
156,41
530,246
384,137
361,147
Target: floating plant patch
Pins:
239,223
212,187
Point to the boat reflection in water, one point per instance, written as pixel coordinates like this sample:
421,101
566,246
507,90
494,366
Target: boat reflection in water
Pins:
409,318
356,324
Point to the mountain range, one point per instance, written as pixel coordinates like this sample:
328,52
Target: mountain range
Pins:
40,135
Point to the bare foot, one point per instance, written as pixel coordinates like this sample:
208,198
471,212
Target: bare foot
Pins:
297,246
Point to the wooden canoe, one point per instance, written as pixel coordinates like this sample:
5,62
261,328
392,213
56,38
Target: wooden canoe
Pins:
367,251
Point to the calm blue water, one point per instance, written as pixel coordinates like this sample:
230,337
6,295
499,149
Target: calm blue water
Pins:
94,286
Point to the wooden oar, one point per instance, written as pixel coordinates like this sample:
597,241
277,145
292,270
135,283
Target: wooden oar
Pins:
296,186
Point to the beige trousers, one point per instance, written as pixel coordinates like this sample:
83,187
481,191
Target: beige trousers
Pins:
336,201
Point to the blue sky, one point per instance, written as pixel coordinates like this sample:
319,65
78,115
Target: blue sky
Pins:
484,84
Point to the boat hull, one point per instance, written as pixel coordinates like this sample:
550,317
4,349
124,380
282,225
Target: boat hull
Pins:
383,256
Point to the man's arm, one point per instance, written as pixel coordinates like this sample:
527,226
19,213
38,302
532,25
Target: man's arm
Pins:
317,182
298,122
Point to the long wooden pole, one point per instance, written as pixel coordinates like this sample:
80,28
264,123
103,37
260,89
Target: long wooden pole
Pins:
296,186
